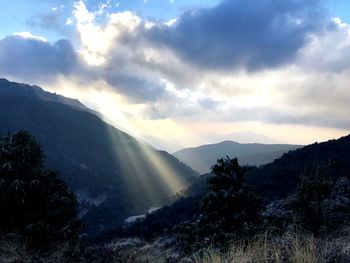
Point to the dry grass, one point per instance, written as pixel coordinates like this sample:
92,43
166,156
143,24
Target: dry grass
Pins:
13,249
291,248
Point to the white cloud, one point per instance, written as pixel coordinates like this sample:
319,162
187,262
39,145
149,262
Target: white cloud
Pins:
82,14
69,21
329,51
29,35
96,39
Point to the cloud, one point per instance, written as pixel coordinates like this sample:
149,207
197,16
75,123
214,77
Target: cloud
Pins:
111,59
29,35
330,51
273,61
136,89
254,34
31,58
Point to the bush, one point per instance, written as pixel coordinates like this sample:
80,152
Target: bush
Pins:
320,204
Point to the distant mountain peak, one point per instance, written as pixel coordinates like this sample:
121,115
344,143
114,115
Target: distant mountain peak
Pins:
202,157
240,137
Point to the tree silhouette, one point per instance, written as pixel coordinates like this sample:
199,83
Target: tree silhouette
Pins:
230,209
34,203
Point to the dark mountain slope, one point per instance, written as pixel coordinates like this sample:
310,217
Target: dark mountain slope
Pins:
201,158
112,174
277,179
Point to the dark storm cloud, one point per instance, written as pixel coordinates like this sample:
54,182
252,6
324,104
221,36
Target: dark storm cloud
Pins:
31,59
135,88
253,34
34,59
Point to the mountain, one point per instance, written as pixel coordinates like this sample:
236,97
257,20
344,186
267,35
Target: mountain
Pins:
210,137
241,137
113,174
201,158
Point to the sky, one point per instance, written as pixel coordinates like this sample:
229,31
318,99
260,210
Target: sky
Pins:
177,70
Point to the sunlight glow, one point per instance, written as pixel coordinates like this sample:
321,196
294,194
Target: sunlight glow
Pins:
96,40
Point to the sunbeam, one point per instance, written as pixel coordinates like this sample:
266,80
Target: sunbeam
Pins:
166,173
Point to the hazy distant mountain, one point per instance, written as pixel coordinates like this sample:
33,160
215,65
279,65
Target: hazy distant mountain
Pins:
203,157
211,137
240,137
113,174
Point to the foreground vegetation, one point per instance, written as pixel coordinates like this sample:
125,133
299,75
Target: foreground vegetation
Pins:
292,247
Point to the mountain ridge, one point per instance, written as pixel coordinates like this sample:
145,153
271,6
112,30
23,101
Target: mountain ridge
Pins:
98,161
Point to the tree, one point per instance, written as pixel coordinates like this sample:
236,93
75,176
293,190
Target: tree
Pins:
229,210
34,203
